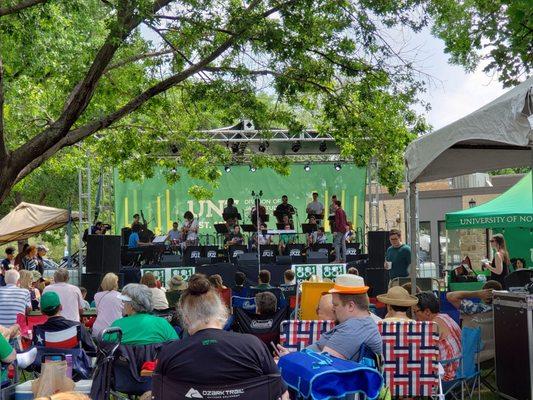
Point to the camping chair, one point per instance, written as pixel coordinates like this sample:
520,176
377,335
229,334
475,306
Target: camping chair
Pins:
467,376
266,328
410,355
263,387
282,302
296,335
246,303
26,323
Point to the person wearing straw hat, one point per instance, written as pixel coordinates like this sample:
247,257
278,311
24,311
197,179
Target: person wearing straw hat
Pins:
355,325
398,302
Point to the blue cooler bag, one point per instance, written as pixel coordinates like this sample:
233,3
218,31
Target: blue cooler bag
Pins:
320,376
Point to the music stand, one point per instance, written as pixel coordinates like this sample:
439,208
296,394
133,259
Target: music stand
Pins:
309,228
281,227
318,217
237,216
248,228
221,229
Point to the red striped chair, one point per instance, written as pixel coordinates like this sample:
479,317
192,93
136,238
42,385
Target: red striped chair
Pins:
410,354
298,334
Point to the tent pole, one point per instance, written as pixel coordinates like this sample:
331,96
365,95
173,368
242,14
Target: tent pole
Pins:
69,236
413,233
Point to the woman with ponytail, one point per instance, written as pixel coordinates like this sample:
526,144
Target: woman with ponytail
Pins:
499,268
210,355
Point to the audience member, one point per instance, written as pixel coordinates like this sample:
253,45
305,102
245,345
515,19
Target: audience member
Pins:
20,255
518,263
216,282
28,261
266,304
7,263
159,299
428,309
108,305
239,289
66,396
398,256
138,325
69,295
355,325
13,300
85,304
324,309
51,306
41,253
353,271
461,299
264,280
289,277
399,302
177,283
407,286
226,357
26,282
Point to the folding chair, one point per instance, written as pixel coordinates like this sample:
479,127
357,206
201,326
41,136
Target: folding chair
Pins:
410,355
296,335
467,376
26,323
266,328
246,303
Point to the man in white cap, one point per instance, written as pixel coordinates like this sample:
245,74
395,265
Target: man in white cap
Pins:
355,325
399,302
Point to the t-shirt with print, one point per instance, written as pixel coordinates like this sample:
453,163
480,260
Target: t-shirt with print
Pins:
347,337
469,307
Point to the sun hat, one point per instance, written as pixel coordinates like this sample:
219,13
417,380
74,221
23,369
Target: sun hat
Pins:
398,296
49,301
177,283
43,247
349,284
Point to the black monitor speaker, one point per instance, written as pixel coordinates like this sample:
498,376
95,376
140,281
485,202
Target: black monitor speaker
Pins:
378,243
317,257
170,260
103,253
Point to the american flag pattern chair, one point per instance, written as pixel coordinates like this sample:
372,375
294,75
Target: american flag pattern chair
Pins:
298,334
411,356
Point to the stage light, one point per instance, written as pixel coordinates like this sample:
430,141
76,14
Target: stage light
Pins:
307,167
263,146
227,168
338,166
296,146
323,146
252,168
174,149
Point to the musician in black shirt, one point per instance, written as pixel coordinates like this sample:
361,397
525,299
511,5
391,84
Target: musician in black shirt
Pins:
284,209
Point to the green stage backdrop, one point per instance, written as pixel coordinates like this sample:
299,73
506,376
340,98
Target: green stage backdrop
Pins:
163,204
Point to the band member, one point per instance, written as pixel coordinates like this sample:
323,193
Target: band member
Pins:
316,238
134,243
189,230
174,236
230,213
286,239
286,221
253,212
136,221
315,207
236,237
284,209
341,227
264,238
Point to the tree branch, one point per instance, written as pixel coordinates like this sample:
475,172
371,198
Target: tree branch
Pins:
138,57
20,6
3,147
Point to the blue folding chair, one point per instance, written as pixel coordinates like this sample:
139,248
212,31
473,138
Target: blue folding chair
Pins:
467,376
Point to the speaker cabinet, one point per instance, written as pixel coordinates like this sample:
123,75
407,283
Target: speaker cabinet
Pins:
378,243
91,282
317,257
103,253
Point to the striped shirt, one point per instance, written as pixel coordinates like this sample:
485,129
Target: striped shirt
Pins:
450,345
13,301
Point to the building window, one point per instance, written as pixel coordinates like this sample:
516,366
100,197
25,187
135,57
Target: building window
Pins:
425,241
452,245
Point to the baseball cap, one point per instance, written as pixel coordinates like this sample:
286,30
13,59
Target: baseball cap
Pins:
49,301
42,247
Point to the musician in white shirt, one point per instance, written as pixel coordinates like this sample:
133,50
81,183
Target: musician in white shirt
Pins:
190,229
264,238
315,207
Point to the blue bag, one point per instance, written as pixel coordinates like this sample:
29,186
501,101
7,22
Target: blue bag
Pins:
320,376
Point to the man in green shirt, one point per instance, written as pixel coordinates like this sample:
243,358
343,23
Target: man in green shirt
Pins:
138,326
398,256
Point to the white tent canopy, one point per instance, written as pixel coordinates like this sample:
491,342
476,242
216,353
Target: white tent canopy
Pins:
28,220
498,135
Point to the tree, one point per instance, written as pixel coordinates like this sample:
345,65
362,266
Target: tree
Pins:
70,69
498,31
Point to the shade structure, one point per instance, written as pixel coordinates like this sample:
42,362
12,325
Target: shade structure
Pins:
27,220
498,135
512,209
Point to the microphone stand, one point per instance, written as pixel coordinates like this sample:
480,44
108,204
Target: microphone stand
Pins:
257,200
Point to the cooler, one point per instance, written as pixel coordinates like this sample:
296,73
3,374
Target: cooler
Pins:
23,391
513,335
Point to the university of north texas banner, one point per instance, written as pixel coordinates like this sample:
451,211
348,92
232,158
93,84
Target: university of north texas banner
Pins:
162,204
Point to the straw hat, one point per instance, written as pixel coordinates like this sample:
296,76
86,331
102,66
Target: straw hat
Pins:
177,283
349,284
398,296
